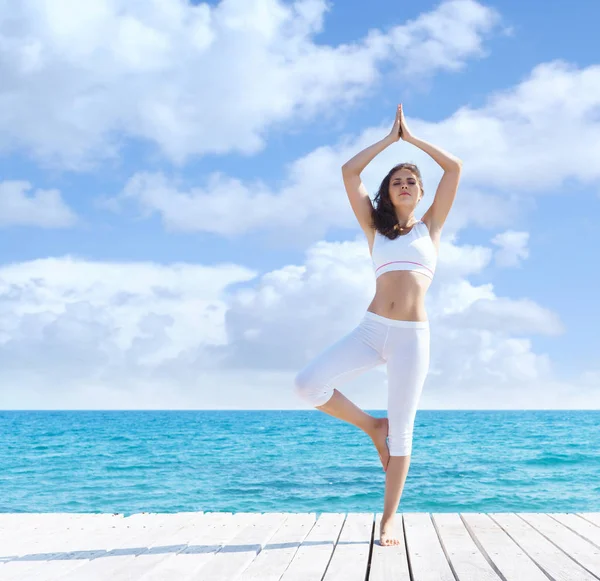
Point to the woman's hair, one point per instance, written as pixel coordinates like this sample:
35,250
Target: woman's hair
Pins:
383,216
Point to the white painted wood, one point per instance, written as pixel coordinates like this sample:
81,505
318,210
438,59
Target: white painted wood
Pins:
311,559
580,550
8,520
8,517
242,549
351,554
553,561
297,547
18,535
461,551
167,545
91,542
593,517
506,555
137,534
388,562
57,545
146,561
427,559
217,530
580,526
274,559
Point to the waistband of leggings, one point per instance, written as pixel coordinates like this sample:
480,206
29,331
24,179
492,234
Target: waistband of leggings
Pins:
397,322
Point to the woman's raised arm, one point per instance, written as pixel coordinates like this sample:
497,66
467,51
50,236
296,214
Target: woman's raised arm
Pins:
446,191
351,170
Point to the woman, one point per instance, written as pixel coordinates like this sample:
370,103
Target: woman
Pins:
395,328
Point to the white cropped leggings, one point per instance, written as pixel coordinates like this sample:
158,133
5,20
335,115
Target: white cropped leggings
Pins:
403,345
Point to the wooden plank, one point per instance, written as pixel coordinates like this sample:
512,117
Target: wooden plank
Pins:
388,562
70,551
580,526
19,534
158,544
91,543
464,557
311,559
217,530
351,554
242,549
10,520
20,517
56,546
34,521
580,550
274,559
554,562
137,535
137,567
427,559
146,561
298,547
593,517
506,556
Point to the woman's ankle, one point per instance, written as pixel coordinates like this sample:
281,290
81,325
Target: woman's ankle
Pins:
373,424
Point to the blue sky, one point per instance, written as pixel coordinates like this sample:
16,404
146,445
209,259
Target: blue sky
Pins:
197,246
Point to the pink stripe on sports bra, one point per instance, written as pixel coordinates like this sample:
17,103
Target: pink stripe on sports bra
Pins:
405,261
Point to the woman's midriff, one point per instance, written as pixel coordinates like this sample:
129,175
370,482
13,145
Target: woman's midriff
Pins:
400,294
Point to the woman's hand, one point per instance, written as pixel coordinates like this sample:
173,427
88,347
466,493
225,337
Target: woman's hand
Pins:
400,130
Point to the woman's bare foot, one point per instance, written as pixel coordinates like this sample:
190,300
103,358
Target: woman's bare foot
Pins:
387,537
379,436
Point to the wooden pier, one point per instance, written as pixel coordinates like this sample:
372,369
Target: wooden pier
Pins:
299,547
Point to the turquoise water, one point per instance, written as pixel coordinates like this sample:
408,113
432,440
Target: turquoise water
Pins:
294,461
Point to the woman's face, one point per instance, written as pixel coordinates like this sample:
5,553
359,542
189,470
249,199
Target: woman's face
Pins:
404,188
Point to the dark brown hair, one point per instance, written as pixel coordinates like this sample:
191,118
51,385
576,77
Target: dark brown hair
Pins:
383,216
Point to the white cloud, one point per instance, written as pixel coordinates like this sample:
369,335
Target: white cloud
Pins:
504,170
197,79
441,38
45,208
459,261
56,300
296,310
513,248
457,295
507,316
75,333
557,106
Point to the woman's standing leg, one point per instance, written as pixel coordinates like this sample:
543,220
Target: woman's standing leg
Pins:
407,353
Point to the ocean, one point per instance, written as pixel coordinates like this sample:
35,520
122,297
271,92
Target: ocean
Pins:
294,461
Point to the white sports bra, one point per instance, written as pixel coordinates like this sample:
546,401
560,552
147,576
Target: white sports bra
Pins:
412,251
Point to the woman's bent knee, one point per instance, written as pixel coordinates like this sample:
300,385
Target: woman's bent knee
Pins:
311,391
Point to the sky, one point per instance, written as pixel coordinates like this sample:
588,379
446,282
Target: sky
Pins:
174,229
